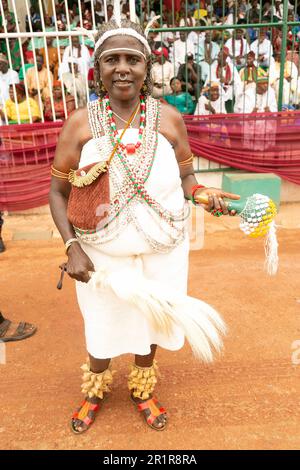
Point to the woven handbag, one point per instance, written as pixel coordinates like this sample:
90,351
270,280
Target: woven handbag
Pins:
89,199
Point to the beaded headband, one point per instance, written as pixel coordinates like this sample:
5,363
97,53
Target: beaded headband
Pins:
122,49
123,32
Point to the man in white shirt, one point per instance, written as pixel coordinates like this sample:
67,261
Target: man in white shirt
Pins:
238,48
206,52
225,73
263,49
211,101
260,134
180,49
7,77
79,52
162,73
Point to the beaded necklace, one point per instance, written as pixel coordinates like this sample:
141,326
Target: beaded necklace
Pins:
130,148
128,178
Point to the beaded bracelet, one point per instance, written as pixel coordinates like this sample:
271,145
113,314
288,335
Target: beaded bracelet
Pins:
194,189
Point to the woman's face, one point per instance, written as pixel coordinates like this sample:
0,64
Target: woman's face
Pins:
128,65
176,86
57,93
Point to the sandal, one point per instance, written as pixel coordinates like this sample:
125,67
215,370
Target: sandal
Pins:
82,414
22,331
155,412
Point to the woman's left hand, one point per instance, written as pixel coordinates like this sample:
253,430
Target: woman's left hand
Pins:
215,200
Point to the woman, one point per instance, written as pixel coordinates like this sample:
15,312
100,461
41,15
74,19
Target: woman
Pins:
58,103
143,245
181,100
22,109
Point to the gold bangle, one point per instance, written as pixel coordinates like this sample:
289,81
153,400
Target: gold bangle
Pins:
59,174
187,161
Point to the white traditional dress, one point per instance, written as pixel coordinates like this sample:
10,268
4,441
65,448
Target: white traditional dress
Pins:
141,246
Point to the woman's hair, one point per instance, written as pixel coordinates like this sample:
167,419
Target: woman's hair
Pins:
112,25
173,79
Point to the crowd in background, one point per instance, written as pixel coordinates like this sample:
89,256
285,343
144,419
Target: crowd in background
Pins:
202,72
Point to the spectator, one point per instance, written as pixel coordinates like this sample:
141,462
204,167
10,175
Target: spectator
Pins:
179,49
291,81
75,84
99,13
14,47
208,51
58,103
33,20
226,74
42,83
263,49
211,101
253,12
162,72
29,62
7,78
189,74
11,109
79,52
238,48
179,99
52,54
249,73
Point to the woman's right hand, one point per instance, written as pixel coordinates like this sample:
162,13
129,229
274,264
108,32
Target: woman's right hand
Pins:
79,264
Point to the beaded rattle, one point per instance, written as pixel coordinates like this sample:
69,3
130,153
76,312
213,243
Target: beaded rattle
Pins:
257,214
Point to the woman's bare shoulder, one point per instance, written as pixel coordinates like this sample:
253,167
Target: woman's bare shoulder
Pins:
76,127
171,124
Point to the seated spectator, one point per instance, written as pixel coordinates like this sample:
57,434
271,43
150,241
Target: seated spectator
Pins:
7,78
211,101
277,10
9,25
253,11
33,20
207,52
250,72
262,98
43,80
291,81
189,74
58,103
21,106
238,48
180,99
52,54
162,73
79,52
263,49
226,74
75,84
99,13
29,62
179,49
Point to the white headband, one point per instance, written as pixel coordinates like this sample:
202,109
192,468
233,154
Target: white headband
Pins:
123,32
107,51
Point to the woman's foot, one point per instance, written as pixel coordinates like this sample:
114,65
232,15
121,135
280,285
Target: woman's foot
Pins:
155,415
85,415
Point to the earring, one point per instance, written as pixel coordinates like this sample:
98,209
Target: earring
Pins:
144,88
102,87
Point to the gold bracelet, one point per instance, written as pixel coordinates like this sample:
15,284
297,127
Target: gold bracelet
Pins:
187,161
59,174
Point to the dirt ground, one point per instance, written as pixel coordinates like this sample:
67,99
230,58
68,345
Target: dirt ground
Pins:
249,398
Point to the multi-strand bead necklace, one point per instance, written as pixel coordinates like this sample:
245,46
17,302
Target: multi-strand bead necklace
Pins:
128,176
